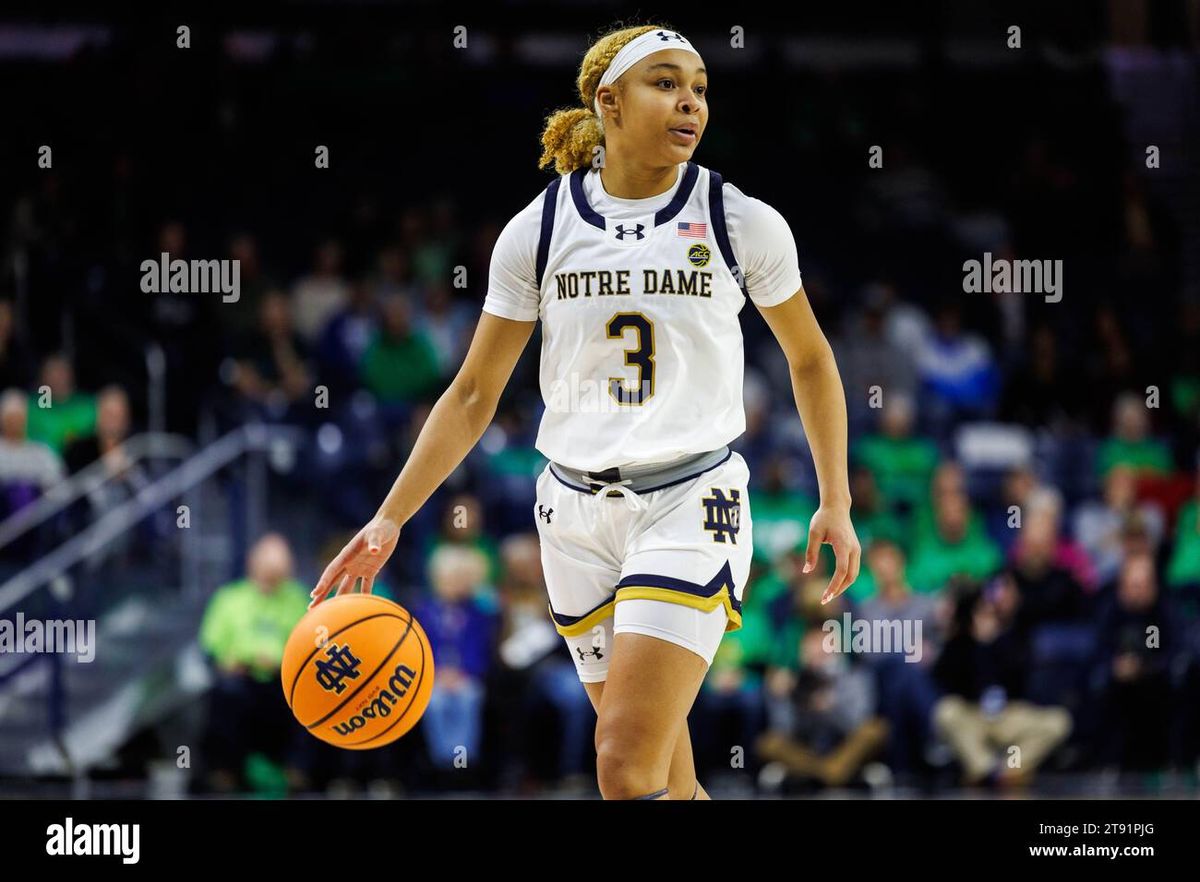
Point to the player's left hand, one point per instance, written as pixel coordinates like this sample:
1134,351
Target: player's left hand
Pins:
362,558
832,526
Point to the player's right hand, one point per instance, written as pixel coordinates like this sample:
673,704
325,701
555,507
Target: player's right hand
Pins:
362,558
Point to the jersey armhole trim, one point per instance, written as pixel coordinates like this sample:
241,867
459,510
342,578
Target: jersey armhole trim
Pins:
548,209
716,210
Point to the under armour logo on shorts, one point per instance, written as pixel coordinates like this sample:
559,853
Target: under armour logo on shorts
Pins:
596,654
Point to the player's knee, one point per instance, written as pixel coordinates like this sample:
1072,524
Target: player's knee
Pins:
622,770
623,777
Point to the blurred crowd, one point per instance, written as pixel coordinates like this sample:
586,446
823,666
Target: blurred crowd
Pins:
1025,478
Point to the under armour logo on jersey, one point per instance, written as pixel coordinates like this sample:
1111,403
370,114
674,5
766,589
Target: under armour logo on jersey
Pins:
622,232
339,664
722,514
668,35
596,654
545,512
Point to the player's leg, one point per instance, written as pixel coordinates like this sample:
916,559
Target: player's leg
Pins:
681,778
684,571
649,691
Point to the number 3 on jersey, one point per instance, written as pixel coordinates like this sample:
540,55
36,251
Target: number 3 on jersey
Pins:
640,356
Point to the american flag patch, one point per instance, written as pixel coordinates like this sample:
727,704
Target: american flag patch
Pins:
691,231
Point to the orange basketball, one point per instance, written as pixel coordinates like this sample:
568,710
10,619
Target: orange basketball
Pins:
357,671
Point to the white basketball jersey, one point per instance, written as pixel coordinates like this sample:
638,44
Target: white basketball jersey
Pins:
642,357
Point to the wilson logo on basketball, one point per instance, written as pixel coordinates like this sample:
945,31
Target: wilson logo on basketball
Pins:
381,705
338,664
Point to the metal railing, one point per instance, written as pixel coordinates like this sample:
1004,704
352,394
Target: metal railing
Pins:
192,471
149,445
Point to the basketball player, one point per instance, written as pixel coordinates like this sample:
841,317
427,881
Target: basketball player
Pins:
637,270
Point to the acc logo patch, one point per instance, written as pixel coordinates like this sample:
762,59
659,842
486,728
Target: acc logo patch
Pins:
699,254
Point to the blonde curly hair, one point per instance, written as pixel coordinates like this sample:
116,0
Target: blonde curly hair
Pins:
572,134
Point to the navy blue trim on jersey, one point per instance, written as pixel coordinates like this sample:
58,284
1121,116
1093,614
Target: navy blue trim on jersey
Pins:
664,214
592,492
716,211
681,197
567,621
724,577
581,204
548,208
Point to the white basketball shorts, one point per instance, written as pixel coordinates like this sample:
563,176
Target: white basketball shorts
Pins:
673,565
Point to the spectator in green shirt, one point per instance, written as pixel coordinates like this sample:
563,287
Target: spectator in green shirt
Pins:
244,630
1184,567
58,414
247,623
781,514
1130,443
901,462
953,549
400,365
949,478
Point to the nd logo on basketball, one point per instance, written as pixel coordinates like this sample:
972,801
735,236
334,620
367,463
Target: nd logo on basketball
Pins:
722,514
338,664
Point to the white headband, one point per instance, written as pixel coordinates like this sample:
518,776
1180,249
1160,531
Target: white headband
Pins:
637,49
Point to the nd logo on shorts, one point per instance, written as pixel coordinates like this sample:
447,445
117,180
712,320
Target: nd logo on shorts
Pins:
722,513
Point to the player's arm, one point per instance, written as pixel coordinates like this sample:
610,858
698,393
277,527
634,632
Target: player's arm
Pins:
821,402
455,424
